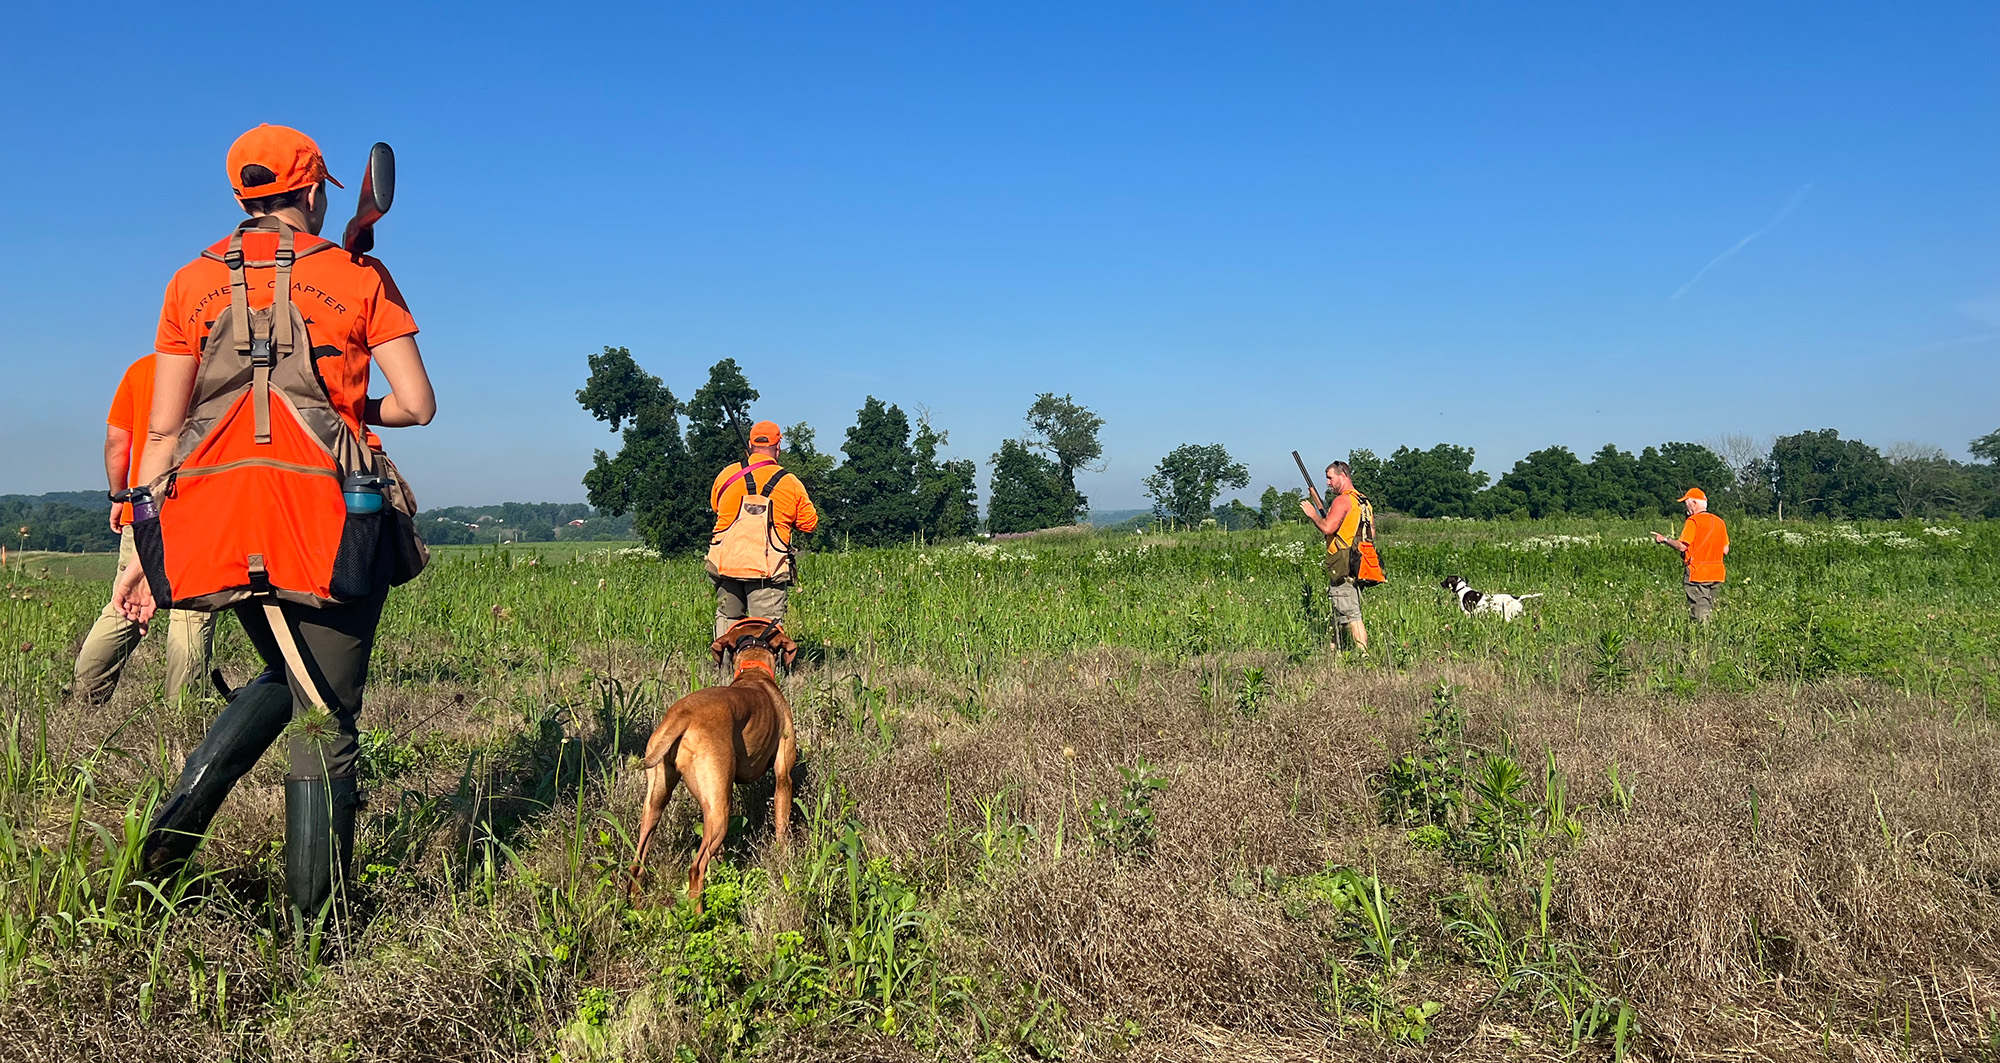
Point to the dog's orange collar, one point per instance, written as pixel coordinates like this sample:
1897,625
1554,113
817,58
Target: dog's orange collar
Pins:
744,666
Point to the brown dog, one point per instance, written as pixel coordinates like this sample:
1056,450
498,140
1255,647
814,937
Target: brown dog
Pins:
719,736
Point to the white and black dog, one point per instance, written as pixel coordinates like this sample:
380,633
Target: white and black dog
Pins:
1508,606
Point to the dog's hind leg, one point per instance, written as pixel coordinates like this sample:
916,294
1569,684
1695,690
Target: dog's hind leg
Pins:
781,794
660,780
708,779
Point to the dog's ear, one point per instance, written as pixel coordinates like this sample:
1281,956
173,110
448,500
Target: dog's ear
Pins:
720,644
784,645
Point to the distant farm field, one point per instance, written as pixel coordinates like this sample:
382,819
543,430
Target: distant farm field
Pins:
1083,796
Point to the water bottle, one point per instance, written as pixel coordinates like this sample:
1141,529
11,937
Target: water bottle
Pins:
363,492
143,506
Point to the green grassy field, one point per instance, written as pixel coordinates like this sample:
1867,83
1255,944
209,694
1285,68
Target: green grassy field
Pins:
1080,797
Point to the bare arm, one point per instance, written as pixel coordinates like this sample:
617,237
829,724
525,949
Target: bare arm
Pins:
173,382
117,464
410,401
1335,513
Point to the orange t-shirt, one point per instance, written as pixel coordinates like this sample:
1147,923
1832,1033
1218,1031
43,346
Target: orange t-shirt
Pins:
132,410
791,507
1707,539
348,307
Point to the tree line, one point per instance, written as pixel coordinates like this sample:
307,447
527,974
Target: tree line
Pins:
1806,475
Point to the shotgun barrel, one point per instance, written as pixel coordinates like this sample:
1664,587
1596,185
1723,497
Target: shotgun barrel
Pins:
1312,488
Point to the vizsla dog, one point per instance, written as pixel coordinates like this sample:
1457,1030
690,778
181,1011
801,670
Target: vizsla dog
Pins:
719,736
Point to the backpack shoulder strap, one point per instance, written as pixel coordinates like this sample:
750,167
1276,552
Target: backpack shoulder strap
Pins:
771,484
715,497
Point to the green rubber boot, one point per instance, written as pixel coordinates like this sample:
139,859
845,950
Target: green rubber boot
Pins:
319,839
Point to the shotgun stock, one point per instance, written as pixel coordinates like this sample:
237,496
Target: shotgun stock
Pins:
1311,487
378,191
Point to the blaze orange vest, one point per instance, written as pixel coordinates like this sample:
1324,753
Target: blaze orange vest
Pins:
750,548
253,504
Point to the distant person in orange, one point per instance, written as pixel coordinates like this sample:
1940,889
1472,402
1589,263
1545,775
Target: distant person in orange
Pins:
190,635
759,508
1703,543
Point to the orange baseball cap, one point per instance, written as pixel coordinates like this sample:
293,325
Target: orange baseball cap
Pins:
282,150
1694,493
765,434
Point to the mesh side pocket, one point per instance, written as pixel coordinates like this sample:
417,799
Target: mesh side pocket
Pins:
354,566
410,555
152,551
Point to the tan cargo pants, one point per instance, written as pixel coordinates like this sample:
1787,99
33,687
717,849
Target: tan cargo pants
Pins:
736,599
112,638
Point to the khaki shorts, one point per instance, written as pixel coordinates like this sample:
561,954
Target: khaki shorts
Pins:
1346,598
736,599
1701,600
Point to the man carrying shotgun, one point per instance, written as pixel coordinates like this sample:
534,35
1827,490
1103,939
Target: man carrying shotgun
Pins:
1340,523
759,509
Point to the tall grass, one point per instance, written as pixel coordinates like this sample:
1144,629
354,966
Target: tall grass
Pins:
1064,797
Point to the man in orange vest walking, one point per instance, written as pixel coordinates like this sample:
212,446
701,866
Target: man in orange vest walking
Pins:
112,638
759,507
1703,542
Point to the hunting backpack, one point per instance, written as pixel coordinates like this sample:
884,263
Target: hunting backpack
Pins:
1355,560
253,504
750,548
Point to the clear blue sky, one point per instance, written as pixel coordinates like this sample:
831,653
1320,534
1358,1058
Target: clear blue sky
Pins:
1265,226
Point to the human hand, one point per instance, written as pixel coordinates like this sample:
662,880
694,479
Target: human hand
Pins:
1658,538
1306,505
117,513
132,596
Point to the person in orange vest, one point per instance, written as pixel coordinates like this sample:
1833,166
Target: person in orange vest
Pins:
358,330
1340,525
1703,542
113,637
759,508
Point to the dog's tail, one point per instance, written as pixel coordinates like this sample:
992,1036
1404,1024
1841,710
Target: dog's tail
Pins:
1525,597
673,742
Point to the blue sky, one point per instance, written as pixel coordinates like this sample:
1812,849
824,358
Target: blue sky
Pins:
1266,226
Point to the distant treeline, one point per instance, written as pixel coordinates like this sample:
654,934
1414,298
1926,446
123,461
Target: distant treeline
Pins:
77,522
1807,475
520,522
70,522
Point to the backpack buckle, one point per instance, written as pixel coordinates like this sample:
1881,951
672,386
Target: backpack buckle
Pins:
260,354
233,259
285,257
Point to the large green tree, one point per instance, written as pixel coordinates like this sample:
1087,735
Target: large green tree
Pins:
652,476
803,459
1666,472
719,416
1184,484
875,489
1541,484
1067,433
1819,474
1026,492
947,490
1438,482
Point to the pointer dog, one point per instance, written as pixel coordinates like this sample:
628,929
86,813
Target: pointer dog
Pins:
719,736
1508,606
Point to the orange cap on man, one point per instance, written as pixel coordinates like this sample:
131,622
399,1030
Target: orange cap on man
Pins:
289,155
1694,493
765,434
